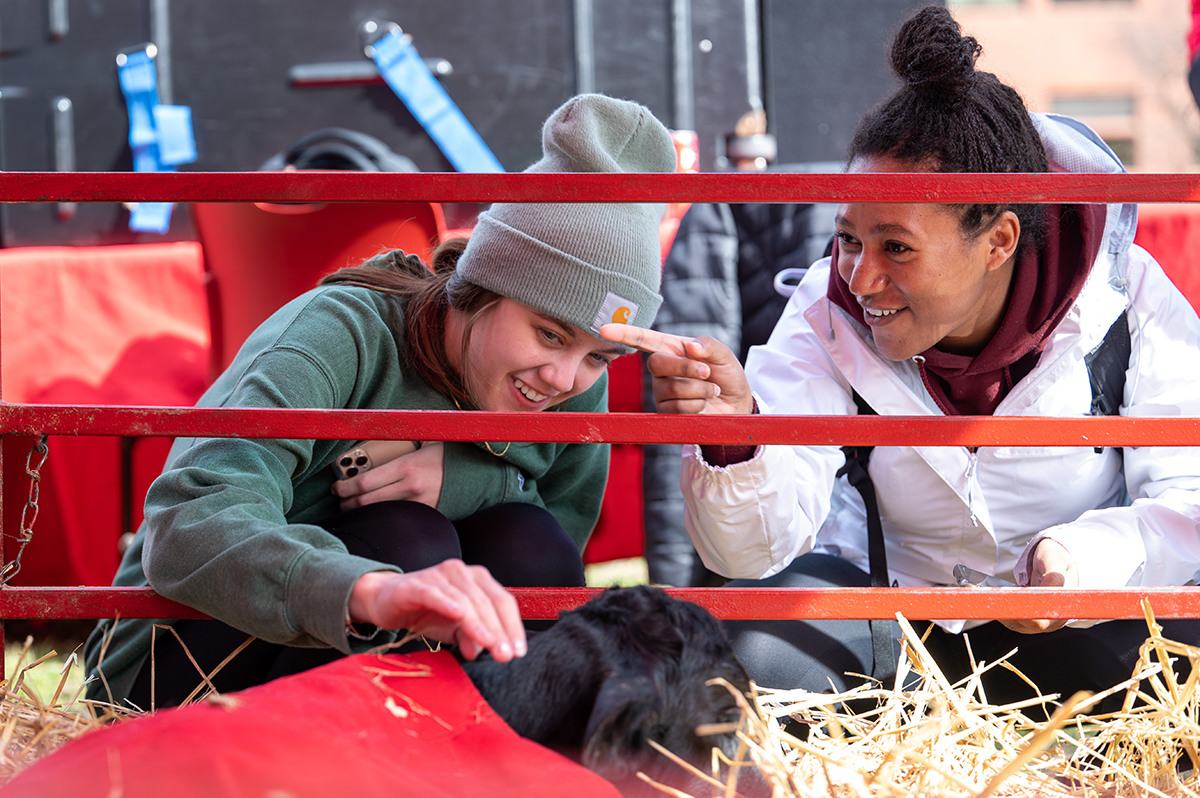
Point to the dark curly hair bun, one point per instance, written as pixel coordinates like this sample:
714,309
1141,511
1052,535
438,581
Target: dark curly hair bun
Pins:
932,57
949,117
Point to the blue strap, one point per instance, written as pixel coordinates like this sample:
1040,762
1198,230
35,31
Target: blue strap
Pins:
173,126
160,136
407,75
139,84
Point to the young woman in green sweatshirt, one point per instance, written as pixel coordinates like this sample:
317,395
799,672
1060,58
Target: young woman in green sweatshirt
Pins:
261,534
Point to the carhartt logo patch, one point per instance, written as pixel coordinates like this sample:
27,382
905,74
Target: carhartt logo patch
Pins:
615,310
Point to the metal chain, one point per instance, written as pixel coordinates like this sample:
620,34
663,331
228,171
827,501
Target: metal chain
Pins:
29,513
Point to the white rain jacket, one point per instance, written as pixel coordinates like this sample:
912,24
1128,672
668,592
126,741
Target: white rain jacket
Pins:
1128,517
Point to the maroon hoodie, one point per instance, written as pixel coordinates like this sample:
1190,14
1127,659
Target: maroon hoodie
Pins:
1045,285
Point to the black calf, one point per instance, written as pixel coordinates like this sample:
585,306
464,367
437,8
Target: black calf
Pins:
628,667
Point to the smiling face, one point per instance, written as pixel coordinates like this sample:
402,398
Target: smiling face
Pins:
523,360
921,280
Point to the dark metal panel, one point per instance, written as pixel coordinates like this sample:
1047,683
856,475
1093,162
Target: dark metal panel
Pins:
719,70
512,63
35,69
636,59
633,53
24,24
826,64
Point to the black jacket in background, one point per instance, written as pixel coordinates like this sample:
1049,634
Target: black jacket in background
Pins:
718,281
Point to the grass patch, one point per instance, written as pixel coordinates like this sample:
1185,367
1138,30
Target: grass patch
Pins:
44,678
617,573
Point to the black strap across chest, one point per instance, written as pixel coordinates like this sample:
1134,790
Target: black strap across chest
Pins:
1106,365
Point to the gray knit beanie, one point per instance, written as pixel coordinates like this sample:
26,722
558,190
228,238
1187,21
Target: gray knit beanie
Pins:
586,264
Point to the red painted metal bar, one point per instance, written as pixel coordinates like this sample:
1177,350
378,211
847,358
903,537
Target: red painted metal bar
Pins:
314,186
726,603
925,603
430,425
74,603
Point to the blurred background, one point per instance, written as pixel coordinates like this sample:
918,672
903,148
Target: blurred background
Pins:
258,74
98,311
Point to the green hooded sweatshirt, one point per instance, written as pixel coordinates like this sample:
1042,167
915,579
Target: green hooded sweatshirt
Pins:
230,524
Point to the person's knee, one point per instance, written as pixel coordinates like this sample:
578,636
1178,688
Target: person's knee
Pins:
812,570
813,655
523,545
516,520
409,535
818,656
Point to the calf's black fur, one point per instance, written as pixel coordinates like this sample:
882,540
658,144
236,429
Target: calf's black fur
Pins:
628,667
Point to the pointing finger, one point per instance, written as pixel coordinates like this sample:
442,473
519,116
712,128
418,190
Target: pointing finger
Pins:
648,341
710,350
662,365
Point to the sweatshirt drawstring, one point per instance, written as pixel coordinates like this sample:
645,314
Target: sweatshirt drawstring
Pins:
920,361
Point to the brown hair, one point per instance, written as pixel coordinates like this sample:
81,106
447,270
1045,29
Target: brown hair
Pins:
430,293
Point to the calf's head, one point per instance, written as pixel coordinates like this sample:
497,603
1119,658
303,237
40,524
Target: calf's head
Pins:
628,667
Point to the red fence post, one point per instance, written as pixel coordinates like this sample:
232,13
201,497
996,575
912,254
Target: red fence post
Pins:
3,639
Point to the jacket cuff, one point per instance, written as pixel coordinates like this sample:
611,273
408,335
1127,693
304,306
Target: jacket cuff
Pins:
1103,557
318,595
723,456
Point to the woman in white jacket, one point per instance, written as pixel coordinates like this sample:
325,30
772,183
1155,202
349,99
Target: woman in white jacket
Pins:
956,310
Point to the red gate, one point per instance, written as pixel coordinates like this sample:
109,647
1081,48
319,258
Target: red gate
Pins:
29,419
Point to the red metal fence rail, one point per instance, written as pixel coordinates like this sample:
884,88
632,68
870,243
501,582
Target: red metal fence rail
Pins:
315,186
619,427
442,425
724,602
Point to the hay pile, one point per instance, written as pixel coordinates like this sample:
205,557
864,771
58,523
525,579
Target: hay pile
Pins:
943,740
32,725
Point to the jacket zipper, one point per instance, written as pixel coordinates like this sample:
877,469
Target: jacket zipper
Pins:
972,451
972,465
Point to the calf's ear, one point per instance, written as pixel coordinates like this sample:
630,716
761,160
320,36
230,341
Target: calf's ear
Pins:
626,713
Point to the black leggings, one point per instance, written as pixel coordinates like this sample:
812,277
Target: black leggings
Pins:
522,545
823,656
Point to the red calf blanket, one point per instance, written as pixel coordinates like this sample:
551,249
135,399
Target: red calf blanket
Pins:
367,725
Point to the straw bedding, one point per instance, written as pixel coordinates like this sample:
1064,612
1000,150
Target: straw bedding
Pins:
942,740
32,725
931,740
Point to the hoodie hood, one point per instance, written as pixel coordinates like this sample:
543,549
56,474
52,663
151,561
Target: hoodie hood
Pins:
1075,148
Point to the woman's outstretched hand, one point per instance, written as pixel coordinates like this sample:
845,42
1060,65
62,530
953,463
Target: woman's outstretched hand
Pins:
451,602
416,476
691,375
1050,565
